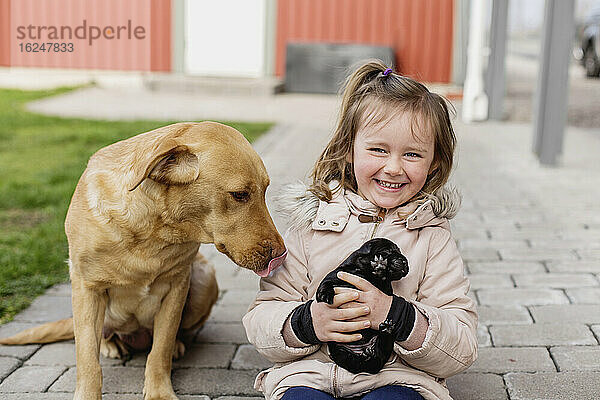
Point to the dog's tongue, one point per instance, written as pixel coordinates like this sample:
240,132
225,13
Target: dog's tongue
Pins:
273,264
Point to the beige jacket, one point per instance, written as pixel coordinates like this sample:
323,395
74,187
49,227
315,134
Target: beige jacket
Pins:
320,237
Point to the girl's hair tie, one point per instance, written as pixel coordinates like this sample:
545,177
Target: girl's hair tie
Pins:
387,71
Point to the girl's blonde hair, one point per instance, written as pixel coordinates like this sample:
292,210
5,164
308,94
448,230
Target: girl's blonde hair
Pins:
372,95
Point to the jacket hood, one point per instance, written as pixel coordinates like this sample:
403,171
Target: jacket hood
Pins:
301,207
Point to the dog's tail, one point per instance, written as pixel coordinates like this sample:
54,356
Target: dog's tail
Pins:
46,333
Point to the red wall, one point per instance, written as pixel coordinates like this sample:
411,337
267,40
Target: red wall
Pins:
419,31
150,52
4,33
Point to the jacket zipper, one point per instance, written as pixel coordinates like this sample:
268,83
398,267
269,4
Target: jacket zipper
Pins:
380,216
335,381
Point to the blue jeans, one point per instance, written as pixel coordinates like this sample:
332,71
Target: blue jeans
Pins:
383,393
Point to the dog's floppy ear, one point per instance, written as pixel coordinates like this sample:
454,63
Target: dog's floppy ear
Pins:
170,164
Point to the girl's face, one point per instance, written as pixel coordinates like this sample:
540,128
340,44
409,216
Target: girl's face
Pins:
390,163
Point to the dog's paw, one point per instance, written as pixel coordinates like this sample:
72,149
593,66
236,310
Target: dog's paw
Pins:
159,392
178,350
166,396
113,348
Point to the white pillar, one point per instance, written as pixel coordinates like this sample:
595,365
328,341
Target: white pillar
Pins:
475,101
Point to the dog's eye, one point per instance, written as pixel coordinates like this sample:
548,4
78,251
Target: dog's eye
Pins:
240,196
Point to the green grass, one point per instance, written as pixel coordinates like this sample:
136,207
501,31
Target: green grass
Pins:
41,159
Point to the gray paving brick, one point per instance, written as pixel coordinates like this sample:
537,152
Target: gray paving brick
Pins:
226,278
572,267
577,358
520,217
505,267
189,398
518,296
46,308
114,380
20,352
584,295
467,386
589,254
242,297
203,355
215,382
474,232
62,353
480,254
483,336
247,279
40,396
207,356
549,227
563,243
582,313
538,255
228,313
237,282
69,396
555,281
503,315
520,234
506,224
553,385
7,366
246,357
501,360
238,398
482,281
466,218
30,379
596,330
542,335
585,235
222,333
494,244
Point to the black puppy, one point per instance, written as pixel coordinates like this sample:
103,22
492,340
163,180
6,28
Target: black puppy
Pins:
380,262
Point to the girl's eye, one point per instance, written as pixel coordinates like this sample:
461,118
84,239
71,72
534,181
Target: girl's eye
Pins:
377,150
413,155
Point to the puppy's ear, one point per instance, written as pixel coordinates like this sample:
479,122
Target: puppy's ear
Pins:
170,164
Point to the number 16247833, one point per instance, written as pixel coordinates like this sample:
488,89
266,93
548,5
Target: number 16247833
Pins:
46,47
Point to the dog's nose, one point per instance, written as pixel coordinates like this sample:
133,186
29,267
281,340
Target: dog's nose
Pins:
274,263
277,252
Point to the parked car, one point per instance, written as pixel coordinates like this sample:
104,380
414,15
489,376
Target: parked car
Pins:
589,39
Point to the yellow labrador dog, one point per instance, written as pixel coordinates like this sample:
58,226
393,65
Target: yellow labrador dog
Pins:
138,215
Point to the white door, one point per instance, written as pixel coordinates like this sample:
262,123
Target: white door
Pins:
225,38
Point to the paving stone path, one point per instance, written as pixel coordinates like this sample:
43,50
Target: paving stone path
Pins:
530,239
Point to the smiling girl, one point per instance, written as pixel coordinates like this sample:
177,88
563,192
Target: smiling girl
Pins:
381,175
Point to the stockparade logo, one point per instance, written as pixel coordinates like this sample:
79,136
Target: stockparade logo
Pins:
52,38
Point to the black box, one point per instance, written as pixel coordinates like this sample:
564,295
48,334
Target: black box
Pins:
322,67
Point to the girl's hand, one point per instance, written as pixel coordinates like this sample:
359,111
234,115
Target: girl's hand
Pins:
378,302
335,324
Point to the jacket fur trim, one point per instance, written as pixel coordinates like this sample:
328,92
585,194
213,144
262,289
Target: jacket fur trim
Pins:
300,206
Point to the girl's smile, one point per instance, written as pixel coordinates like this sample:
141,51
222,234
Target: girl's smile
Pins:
389,186
391,163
